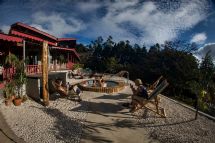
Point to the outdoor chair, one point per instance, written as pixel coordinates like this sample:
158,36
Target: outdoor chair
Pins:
75,75
155,84
72,92
152,102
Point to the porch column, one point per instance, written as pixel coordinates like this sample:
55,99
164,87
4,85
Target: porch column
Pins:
45,73
68,57
24,50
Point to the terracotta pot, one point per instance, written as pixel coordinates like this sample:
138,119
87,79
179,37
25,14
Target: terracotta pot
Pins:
17,101
7,102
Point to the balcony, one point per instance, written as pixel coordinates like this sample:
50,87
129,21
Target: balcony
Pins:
8,73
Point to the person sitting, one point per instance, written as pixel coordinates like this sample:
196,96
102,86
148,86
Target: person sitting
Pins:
103,83
77,91
85,83
139,92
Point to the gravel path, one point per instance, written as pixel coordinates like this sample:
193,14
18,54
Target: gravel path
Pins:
179,126
36,123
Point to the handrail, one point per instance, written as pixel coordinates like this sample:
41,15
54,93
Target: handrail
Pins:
8,73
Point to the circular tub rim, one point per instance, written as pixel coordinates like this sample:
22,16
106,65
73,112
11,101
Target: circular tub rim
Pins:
113,89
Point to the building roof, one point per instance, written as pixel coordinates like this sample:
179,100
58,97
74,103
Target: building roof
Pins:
14,32
10,38
66,39
35,30
67,49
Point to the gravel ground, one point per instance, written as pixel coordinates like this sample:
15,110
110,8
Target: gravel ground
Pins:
64,119
179,126
54,124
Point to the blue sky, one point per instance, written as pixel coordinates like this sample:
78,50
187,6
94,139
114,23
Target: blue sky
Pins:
142,22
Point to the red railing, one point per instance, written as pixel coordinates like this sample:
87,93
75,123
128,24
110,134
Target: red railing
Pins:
69,65
33,69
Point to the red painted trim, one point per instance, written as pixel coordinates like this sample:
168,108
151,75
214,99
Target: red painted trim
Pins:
1,85
35,30
14,32
67,49
10,38
66,39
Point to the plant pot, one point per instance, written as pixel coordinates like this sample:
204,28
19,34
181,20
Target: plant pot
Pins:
7,102
17,101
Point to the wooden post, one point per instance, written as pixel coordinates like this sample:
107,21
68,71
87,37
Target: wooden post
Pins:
24,51
45,73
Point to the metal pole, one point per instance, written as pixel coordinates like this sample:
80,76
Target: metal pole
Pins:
196,106
45,73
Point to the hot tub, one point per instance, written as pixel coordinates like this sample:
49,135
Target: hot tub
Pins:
111,86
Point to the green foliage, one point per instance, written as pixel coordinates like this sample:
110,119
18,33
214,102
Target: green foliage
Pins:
76,66
9,89
112,64
20,77
11,60
80,48
207,69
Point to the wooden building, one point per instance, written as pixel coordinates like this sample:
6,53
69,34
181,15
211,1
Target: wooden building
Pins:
26,43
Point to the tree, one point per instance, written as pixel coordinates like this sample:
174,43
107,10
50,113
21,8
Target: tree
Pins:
207,69
80,48
112,64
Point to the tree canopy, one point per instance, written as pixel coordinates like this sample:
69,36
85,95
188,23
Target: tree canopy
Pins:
173,59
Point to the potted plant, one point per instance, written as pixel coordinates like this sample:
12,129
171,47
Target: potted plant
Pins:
20,81
10,60
9,93
9,64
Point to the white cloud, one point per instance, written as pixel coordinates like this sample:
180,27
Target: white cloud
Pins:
56,24
201,52
137,21
199,38
89,7
153,24
5,28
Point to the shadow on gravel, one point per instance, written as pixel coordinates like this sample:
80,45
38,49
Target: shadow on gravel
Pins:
93,128
69,129
65,128
101,108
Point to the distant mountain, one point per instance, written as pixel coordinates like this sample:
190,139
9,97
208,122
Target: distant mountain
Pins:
201,52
